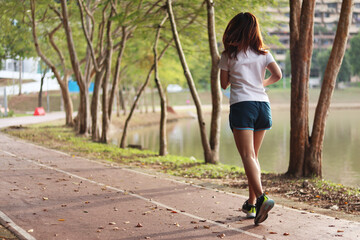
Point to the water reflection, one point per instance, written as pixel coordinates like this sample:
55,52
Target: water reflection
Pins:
341,144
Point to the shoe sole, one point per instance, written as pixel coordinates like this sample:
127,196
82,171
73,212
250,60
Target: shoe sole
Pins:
263,212
249,215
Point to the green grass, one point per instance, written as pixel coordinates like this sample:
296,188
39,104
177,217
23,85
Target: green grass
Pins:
64,139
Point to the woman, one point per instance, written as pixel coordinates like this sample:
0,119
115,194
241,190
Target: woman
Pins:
243,64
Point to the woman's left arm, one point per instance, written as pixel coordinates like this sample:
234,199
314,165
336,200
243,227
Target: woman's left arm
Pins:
276,74
224,79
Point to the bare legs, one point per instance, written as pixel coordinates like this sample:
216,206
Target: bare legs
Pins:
248,144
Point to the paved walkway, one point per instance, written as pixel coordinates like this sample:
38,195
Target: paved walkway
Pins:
46,194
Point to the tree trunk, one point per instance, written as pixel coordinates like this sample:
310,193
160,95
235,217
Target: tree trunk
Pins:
116,77
63,82
122,100
206,146
163,118
216,96
41,88
313,160
105,104
84,115
301,45
95,106
20,76
67,102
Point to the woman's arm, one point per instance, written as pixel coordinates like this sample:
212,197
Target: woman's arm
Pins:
276,74
224,79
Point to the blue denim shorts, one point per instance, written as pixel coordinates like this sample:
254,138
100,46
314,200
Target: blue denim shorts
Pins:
250,115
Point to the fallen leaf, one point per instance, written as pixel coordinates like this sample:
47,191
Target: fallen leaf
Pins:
273,232
173,211
61,220
139,225
207,227
87,202
340,230
31,230
286,234
221,235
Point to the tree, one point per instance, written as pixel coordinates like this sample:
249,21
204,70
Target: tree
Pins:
15,36
190,81
306,149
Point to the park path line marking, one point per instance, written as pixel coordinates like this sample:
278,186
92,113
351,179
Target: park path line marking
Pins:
137,196
15,229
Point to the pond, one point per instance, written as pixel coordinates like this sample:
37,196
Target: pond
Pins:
341,150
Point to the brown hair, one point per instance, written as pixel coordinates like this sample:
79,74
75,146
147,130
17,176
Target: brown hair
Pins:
242,32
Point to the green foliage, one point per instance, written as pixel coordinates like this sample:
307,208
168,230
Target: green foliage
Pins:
354,53
15,34
321,59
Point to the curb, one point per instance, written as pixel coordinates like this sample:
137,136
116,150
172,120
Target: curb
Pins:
15,229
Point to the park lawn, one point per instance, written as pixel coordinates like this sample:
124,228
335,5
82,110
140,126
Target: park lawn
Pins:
315,192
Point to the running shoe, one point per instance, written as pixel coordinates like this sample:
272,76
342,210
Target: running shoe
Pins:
249,209
263,205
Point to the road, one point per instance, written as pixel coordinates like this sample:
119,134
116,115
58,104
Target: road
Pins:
46,194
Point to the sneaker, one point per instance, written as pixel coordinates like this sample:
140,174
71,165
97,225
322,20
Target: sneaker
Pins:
263,205
249,209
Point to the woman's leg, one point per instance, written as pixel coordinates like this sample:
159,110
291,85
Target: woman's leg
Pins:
258,138
244,140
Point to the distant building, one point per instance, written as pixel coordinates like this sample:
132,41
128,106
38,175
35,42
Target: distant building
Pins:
30,71
327,13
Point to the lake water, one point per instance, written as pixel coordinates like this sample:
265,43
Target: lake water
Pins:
341,150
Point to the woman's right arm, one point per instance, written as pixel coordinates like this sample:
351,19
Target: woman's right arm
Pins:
224,79
276,74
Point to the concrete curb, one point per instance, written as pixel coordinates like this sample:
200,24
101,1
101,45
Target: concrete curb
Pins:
15,229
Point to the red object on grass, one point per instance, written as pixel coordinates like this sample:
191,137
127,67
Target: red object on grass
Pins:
39,111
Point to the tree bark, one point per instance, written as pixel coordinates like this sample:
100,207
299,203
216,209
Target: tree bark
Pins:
116,77
216,96
301,45
163,115
95,132
105,104
84,115
313,160
206,146
306,150
41,88
20,76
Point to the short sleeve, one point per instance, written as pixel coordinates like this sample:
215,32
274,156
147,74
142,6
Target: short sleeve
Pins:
269,58
223,64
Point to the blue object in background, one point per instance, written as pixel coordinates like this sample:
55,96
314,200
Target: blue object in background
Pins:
226,92
74,87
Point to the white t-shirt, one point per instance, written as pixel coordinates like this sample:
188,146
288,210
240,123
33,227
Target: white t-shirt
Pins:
246,75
